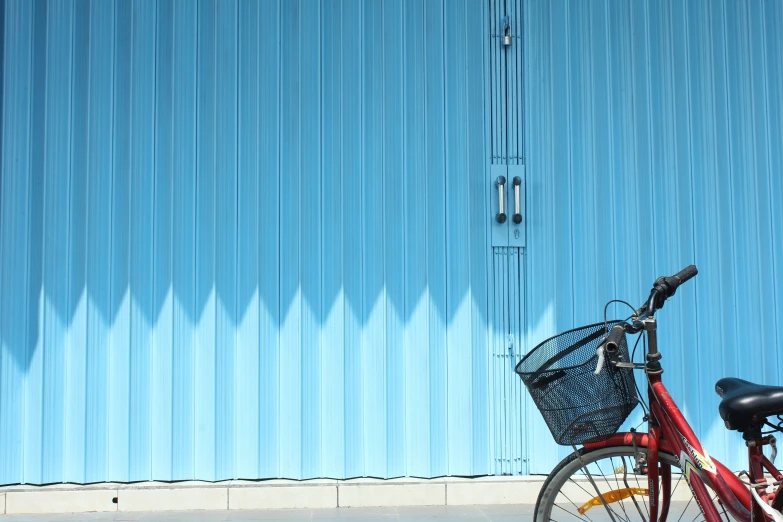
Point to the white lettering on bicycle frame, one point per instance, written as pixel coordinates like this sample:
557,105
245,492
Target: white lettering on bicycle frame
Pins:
688,467
702,462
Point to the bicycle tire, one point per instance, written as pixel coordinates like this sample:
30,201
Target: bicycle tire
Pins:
553,494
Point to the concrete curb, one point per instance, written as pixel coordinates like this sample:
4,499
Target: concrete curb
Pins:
268,494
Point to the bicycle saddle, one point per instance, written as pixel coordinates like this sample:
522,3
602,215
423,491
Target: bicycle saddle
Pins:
745,404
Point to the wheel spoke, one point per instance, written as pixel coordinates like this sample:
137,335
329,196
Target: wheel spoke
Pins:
644,499
625,481
577,484
724,511
574,503
677,484
686,509
715,498
610,488
575,515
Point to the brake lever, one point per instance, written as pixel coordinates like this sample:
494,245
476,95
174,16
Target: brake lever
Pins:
633,366
600,353
617,364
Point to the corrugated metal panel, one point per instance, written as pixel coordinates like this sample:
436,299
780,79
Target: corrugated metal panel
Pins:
497,82
506,82
654,133
243,240
508,392
515,81
507,296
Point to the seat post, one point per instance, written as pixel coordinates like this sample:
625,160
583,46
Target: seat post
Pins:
753,437
755,459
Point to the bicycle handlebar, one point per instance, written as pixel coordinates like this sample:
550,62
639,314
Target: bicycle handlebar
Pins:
664,288
614,340
689,272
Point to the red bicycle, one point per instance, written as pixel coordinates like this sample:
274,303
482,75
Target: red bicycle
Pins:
582,382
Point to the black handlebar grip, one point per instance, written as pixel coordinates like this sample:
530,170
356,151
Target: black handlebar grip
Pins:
686,273
665,287
615,339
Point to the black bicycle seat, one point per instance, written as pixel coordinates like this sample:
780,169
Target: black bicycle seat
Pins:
747,405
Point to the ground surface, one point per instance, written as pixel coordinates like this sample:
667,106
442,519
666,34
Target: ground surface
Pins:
523,513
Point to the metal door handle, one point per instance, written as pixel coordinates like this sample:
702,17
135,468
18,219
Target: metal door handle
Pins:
517,207
501,185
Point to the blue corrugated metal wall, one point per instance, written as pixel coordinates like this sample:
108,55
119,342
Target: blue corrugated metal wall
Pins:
243,239
250,240
654,133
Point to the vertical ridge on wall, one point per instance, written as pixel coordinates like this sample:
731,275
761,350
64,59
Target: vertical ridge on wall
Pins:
353,270
458,331
515,80
2,86
30,342
74,401
394,243
15,227
333,211
436,238
56,195
651,133
508,394
773,60
141,175
373,255
506,80
184,240
497,77
310,235
270,188
98,237
246,457
226,227
206,307
762,147
290,292
477,153
417,361
119,300
162,299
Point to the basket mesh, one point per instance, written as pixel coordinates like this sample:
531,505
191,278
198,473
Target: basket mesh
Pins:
577,405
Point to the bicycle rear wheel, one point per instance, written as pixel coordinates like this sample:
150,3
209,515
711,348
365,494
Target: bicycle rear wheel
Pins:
569,495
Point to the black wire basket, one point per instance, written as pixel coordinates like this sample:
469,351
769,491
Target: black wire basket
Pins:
577,405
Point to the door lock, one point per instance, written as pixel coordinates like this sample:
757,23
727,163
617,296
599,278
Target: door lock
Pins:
507,32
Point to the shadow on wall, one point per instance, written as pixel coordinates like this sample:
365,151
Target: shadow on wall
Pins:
122,204
216,224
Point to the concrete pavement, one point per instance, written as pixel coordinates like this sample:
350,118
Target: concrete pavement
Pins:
494,513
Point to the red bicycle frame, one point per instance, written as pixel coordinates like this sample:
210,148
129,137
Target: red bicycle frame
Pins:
670,432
